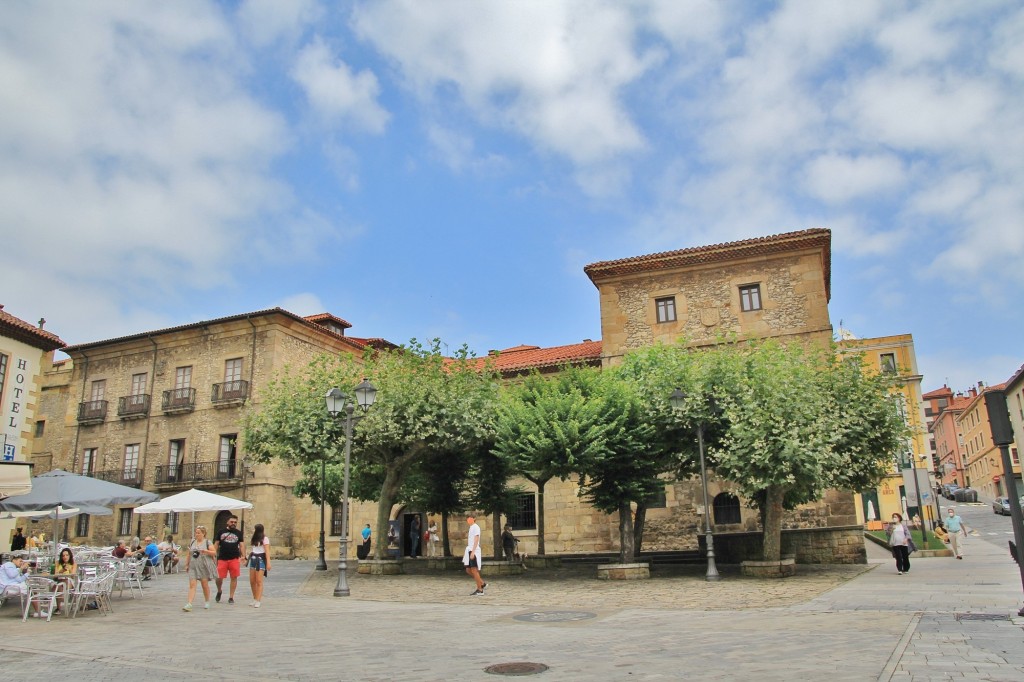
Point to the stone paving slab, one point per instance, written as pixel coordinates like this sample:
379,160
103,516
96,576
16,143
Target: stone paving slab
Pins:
837,623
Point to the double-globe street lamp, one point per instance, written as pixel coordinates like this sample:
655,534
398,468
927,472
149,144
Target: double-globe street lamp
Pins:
677,399
338,402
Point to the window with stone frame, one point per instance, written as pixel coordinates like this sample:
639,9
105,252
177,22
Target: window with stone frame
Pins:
98,390
336,520
82,526
665,308
750,297
659,500
89,461
887,362
726,507
524,512
124,524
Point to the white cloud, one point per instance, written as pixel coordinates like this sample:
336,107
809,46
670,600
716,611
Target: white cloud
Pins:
838,178
303,304
135,163
551,72
265,22
335,92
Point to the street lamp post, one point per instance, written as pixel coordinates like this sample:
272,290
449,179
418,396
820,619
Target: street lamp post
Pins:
676,400
321,561
337,401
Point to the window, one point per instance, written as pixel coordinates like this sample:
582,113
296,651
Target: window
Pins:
226,460
524,512
139,384
175,455
183,377
750,297
98,390
88,461
659,500
233,370
40,427
887,362
82,526
131,459
726,508
172,522
124,524
666,308
1014,456
3,372
336,520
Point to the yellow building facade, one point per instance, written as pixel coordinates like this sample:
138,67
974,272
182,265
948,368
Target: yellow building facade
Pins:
895,355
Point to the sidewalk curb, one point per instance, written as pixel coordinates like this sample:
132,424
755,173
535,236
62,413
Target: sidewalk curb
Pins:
901,647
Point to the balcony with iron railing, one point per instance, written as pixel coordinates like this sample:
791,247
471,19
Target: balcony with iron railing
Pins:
206,473
131,477
179,400
230,393
92,411
133,406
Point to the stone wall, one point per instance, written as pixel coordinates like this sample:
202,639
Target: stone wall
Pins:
842,545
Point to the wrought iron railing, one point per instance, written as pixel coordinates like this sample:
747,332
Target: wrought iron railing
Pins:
92,411
129,477
133,405
179,400
198,472
230,391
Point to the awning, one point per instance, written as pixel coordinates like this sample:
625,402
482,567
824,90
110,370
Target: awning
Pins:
15,478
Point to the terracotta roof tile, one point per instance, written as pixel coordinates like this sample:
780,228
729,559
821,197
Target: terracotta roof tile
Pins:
523,357
322,317
17,328
1016,375
220,320
944,392
715,253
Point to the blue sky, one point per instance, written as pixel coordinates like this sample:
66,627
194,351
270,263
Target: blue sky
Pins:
447,168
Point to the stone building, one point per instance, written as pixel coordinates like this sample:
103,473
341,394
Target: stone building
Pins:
160,410
777,286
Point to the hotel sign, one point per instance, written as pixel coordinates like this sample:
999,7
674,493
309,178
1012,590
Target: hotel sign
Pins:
16,375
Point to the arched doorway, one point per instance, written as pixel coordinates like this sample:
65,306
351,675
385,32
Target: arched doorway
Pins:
220,523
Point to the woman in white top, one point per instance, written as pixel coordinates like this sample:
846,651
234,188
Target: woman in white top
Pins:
432,538
259,563
899,540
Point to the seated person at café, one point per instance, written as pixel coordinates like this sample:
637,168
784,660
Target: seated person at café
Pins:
170,552
12,580
64,569
152,554
121,551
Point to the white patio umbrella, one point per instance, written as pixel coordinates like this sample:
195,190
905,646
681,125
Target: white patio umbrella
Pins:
193,500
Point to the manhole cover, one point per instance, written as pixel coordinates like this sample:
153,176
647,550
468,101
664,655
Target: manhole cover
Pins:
555,616
518,668
982,616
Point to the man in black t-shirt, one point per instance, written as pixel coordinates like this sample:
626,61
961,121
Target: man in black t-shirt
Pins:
229,546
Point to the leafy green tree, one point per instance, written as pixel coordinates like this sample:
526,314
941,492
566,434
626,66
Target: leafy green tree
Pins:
797,422
622,467
427,405
546,427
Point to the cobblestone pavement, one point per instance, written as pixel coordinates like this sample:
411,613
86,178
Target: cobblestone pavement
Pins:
837,623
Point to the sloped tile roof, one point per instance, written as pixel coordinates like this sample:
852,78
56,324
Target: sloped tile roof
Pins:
943,392
716,253
374,342
1016,375
220,320
523,357
327,317
17,328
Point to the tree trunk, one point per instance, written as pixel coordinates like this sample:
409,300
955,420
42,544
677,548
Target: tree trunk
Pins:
496,536
638,529
446,547
540,517
772,539
388,491
626,555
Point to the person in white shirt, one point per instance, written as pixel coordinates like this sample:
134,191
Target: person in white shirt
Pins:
259,563
471,558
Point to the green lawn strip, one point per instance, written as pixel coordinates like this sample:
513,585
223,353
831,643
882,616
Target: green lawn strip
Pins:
933,542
